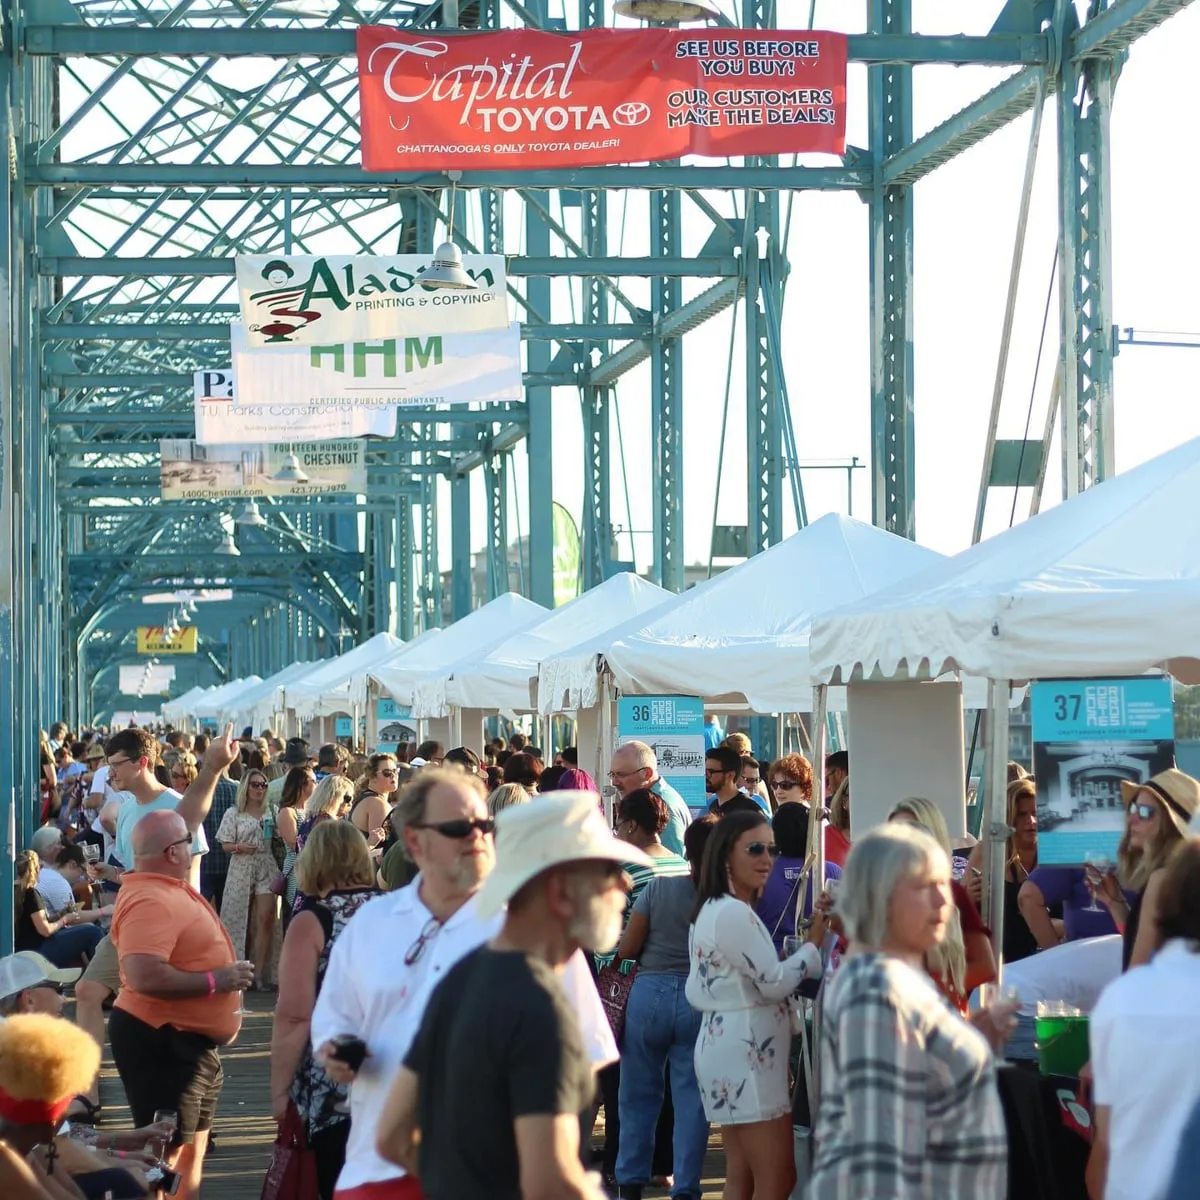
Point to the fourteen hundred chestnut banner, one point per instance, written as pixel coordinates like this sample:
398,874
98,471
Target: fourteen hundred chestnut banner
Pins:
529,100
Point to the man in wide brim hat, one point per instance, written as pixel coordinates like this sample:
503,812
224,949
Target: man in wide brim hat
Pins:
296,753
497,1079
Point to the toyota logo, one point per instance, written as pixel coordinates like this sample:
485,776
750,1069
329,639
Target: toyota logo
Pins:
632,112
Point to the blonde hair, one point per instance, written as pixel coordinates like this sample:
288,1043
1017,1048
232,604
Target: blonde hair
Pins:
243,792
1021,788
1134,867
328,796
948,959
26,868
185,764
45,1058
371,767
878,862
335,855
507,795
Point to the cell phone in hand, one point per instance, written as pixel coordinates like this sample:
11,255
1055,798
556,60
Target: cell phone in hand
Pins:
349,1049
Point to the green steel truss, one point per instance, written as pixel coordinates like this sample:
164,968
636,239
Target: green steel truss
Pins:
148,142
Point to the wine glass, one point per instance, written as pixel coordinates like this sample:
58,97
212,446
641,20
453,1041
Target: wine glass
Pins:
162,1140
1096,865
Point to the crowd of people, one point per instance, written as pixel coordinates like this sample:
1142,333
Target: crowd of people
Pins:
472,955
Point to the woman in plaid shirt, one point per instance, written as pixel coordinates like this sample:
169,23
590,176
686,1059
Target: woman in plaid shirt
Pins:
909,1107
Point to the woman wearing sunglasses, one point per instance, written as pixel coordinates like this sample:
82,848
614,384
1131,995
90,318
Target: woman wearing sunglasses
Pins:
248,907
741,989
1157,816
373,797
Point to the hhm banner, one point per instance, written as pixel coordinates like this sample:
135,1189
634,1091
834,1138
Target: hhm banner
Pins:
1090,736
435,369
525,99
191,471
306,300
153,639
674,727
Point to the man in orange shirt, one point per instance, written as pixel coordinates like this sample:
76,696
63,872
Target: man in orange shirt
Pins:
179,997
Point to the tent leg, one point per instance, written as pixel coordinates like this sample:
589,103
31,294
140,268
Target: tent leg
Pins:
995,829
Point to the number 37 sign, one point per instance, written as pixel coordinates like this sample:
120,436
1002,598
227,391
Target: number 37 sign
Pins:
1091,736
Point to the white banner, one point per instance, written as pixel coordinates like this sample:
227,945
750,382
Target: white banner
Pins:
431,369
307,300
194,472
222,421
146,680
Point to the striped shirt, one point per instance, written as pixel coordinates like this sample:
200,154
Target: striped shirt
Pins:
909,1107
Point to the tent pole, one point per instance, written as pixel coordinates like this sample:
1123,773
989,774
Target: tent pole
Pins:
995,829
816,835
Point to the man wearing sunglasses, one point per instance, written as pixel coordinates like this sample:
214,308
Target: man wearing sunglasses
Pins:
30,983
386,963
497,1079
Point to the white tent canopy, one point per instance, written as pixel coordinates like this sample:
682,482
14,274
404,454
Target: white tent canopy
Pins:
207,706
181,706
743,639
470,639
326,690
500,680
257,704
1107,583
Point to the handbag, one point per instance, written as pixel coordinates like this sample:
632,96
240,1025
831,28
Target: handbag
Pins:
615,982
279,883
292,1174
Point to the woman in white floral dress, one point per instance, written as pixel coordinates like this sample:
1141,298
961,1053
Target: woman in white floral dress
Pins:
248,905
741,989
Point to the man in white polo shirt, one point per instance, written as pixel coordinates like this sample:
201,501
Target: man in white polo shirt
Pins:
388,960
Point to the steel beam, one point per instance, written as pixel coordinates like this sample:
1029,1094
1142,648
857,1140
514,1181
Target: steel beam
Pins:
1108,32
540,442
969,126
207,331
675,324
893,487
138,268
1086,348
176,419
130,41
206,175
666,400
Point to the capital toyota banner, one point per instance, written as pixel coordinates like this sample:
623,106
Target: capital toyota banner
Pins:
307,300
437,369
528,99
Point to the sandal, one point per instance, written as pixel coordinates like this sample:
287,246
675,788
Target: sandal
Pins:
91,1114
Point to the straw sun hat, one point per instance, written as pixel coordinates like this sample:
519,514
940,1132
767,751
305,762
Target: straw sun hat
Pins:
1179,793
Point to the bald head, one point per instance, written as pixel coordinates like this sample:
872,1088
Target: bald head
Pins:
155,833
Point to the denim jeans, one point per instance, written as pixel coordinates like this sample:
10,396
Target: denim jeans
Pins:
660,1034
64,947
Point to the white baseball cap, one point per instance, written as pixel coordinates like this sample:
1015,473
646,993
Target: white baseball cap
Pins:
558,828
27,969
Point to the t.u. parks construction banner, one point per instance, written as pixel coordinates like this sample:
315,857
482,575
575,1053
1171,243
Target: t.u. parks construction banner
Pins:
527,99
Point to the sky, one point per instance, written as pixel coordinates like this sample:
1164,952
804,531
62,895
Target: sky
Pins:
965,221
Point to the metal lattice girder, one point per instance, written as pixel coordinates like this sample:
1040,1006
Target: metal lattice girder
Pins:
1085,269
1111,30
597,516
891,218
495,485
666,400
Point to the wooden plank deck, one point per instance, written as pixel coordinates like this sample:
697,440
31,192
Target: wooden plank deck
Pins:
245,1131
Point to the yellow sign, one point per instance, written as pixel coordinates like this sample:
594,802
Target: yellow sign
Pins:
153,639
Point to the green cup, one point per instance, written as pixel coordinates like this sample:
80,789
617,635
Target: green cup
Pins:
1062,1040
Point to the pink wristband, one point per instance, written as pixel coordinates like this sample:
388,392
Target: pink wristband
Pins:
212,983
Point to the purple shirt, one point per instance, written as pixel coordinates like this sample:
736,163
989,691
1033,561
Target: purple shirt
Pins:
1067,886
777,905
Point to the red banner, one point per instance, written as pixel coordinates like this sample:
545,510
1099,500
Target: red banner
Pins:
525,99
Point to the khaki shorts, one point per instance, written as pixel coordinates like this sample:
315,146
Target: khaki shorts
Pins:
105,967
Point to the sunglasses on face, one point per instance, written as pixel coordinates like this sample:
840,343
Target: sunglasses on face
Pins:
184,841
1142,810
784,785
387,773
57,988
758,849
461,828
